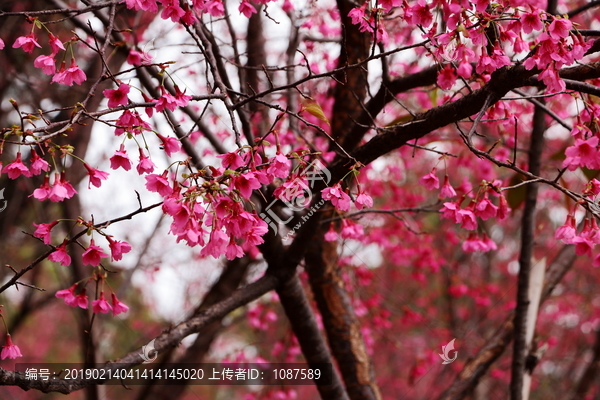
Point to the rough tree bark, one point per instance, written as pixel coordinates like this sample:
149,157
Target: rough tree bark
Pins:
527,243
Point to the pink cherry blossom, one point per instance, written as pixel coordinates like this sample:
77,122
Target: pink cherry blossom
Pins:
172,11
238,222
231,160
215,8
10,350
351,230
254,235
96,176
430,181
101,305
388,4
60,255
118,306
485,209
68,295
81,300
1,44
568,231
169,144
590,231
28,43
450,211
138,57
38,164
488,63
363,200
16,168
473,244
467,219
117,248
446,77
287,6
246,8
447,189
70,75
181,99
420,14
245,184
503,208
145,164
217,244
159,184
46,63
554,83
233,250
292,189
55,43
358,17
120,159
331,235
592,188
117,97
465,70
583,246
583,153
531,22
280,166
146,5
130,121
44,231
339,198
61,189
559,28
93,255
167,100
491,245
188,18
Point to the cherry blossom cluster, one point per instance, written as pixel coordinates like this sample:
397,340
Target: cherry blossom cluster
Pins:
58,190
341,201
585,152
480,207
589,236
183,12
99,305
551,41
47,63
130,122
92,256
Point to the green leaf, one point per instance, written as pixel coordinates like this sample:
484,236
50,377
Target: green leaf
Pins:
315,109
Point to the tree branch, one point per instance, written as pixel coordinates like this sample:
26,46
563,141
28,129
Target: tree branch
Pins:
301,317
536,147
